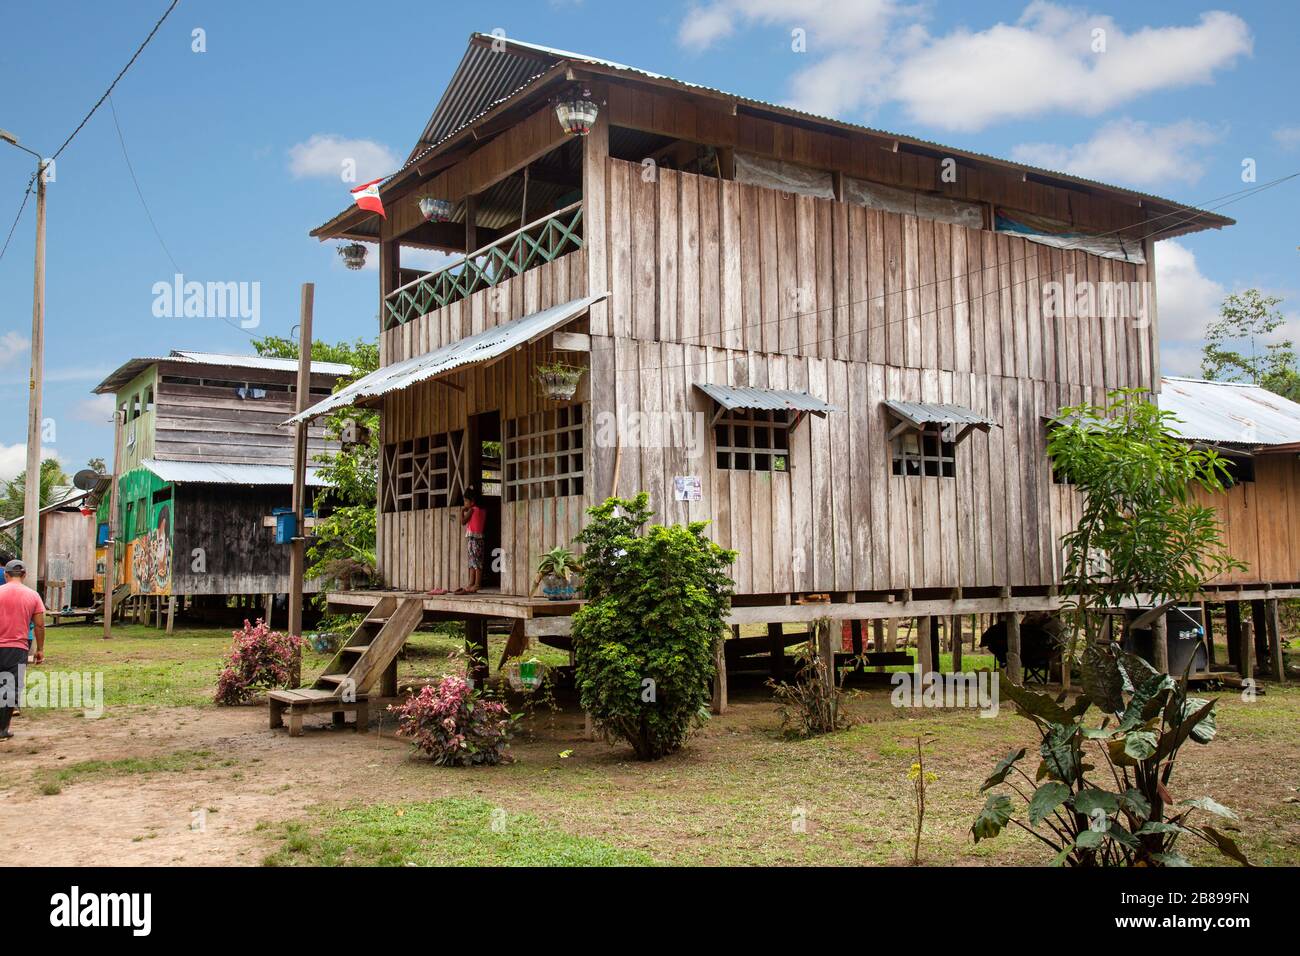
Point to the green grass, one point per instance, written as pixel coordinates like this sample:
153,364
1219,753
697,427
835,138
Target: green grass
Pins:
447,832
51,782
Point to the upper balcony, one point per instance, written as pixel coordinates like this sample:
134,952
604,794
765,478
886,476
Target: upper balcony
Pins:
542,240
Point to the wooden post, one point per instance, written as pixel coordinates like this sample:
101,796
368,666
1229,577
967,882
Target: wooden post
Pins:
878,640
1276,664
720,672
1207,625
471,223
936,624
1259,622
924,649
298,544
891,634
595,152
110,547
32,488
776,648
1246,649
1232,632
171,614
1015,670
824,646
956,643
268,601
1160,644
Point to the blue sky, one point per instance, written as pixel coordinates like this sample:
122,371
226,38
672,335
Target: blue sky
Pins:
236,148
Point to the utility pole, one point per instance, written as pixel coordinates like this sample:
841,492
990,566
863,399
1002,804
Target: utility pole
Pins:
298,546
110,547
32,491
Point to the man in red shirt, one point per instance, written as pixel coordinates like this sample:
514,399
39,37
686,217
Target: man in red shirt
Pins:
21,608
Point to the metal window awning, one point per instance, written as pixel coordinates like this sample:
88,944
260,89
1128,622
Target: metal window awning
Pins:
955,420
477,349
731,397
229,473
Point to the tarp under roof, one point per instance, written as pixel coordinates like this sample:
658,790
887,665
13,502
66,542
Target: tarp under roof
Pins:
774,399
229,473
1229,413
135,366
473,350
936,413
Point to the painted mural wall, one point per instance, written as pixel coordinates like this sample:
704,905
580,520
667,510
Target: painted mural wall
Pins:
146,517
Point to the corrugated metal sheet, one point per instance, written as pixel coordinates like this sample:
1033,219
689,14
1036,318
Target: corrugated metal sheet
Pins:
775,399
1229,413
472,350
130,369
229,473
934,413
69,500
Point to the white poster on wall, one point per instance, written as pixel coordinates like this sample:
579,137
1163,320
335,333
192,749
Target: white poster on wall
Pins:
688,488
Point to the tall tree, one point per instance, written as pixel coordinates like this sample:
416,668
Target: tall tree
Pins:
1242,345
11,501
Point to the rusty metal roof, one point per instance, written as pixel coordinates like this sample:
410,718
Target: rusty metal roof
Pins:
229,473
773,399
1230,413
133,367
473,350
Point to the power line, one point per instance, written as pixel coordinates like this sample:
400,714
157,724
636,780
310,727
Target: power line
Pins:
21,206
136,182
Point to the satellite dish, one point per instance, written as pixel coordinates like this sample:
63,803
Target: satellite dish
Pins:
85,479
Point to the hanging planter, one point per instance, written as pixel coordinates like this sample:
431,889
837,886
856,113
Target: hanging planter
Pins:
435,210
354,255
555,572
577,112
559,381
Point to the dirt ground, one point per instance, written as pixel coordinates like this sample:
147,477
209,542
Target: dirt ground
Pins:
208,785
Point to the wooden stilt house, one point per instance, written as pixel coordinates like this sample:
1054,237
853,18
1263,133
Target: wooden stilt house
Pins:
839,345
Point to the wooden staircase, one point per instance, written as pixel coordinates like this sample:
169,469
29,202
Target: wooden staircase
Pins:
367,656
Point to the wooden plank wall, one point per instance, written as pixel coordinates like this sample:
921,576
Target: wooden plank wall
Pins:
1261,522
839,520
701,261
426,548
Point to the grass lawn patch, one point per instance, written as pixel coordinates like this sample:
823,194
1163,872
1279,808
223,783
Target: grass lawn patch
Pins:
50,782
448,832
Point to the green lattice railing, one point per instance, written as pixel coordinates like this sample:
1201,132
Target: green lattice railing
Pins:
541,241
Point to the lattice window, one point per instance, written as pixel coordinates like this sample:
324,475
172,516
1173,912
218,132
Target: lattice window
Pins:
544,454
753,440
423,473
924,452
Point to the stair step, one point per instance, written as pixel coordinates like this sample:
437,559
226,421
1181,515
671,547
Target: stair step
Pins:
356,648
381,621
333,678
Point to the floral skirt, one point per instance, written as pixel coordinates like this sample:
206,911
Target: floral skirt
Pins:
475,542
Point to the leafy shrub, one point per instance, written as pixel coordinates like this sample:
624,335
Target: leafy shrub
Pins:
260,658
645,641
454,724
1138,823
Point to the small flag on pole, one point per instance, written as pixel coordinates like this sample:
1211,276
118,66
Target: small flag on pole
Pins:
367,197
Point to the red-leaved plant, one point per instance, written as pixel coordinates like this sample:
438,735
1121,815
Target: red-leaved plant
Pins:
454,724
259,658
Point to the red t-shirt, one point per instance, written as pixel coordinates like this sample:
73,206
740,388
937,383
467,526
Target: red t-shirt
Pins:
19,604
477,523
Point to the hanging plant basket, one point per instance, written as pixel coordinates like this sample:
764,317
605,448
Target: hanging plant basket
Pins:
354,255
559,381
577,113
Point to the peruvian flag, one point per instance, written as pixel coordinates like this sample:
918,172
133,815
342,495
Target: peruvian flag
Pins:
367,197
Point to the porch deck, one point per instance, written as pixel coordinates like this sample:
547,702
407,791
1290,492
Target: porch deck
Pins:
487,603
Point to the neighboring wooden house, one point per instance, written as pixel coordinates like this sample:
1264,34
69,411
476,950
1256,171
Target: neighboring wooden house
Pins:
65,573
201,465
838,345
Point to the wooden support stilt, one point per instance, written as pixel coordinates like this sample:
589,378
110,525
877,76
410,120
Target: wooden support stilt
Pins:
1246,650
269,604
956,643
1232,632
388,681
924,647
824,646
1207,624
1276,665
1015,669
776,645
1259,626
878,640
855,636
1160,644
476,648
719,705
891,634
171,614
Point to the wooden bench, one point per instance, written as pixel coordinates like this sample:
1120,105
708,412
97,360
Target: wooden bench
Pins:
55,618
311,700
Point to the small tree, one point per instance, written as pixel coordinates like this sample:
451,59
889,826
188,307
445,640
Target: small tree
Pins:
657,606
1141,533
1249,319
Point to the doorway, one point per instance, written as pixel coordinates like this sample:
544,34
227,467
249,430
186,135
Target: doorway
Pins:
484,447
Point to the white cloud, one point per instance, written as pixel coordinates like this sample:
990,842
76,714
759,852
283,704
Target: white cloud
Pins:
1187,301
13,460
324,155
98,409
1288,137
13,346
868,52
1127,151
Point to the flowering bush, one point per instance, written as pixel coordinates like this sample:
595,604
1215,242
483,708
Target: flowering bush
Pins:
454,724
259,658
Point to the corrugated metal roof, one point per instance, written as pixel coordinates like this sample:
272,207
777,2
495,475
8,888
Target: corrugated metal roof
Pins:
229,473
472,350
66,501
1229,413
937,413
776,399
130,369
477,76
